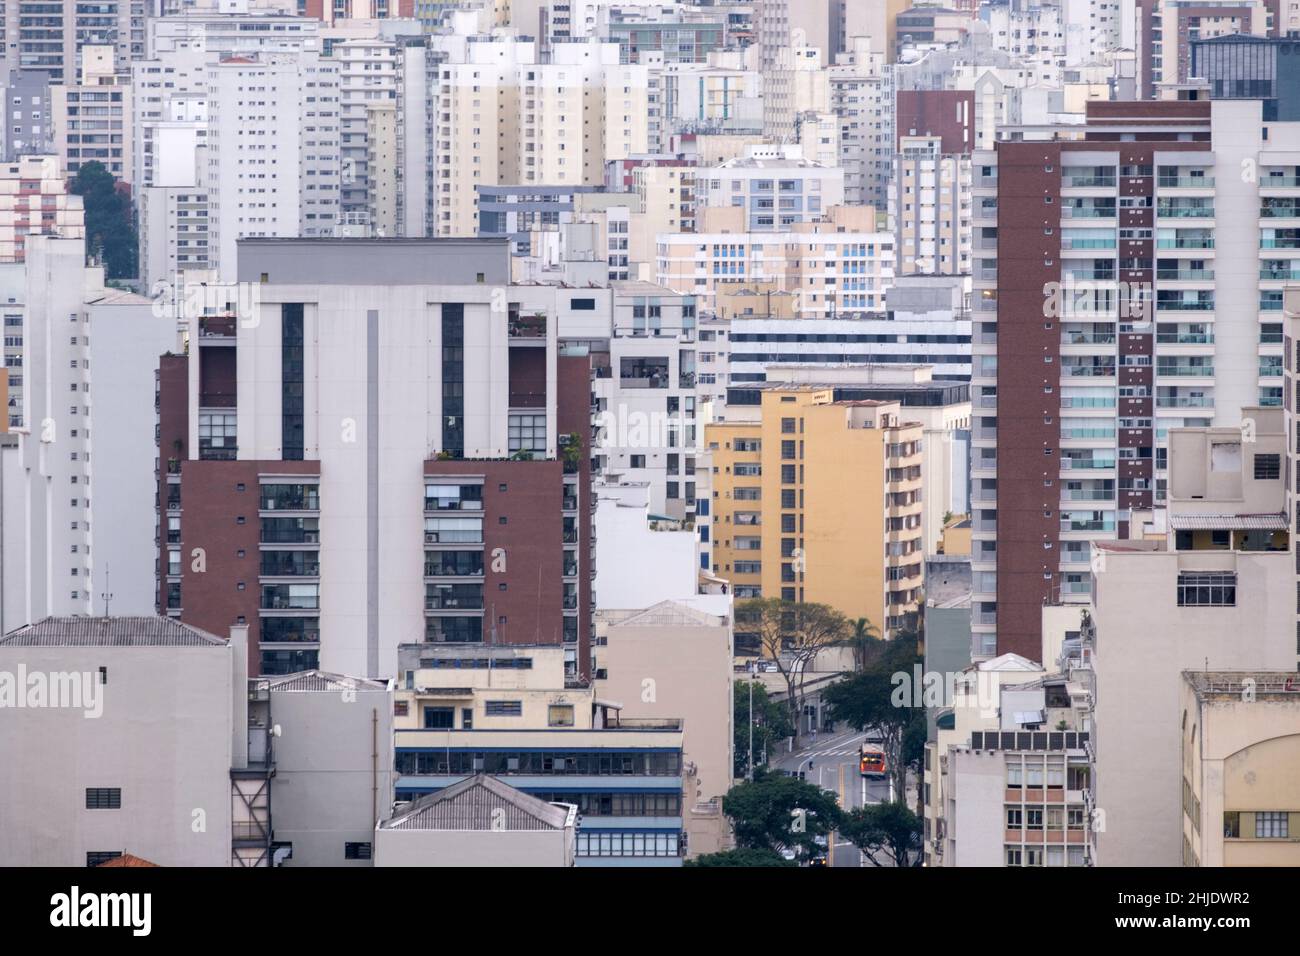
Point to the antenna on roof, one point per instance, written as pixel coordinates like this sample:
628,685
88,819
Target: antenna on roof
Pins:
106,594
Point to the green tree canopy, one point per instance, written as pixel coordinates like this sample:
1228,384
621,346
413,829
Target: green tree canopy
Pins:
110,225
743,857
888,834
777,811
791,634
771,725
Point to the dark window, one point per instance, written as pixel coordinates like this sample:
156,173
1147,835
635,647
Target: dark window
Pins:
582,305
439,718
291,379
356,851
453,379
1268,466
103,798
504,708
1207,589
99,857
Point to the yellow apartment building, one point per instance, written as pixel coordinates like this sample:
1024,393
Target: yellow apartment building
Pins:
819,501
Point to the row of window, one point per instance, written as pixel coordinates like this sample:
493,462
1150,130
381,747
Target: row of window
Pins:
602,763
629,844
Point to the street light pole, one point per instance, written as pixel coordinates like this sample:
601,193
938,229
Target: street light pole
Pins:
750,766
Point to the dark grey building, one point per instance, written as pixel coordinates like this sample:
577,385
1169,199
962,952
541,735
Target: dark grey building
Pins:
1242,67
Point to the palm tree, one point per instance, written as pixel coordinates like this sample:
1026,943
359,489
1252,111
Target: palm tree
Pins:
864,635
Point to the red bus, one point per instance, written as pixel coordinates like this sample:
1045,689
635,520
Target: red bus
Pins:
871,761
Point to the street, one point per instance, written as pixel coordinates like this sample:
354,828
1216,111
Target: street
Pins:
834,759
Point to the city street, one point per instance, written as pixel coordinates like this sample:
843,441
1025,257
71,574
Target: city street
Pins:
834,767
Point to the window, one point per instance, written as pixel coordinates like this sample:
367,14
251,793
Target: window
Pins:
99,857
582,305
356,851
1271,825
1207,589
1268,466
559,715
527,433
103,798
1231,824
439,718
504,708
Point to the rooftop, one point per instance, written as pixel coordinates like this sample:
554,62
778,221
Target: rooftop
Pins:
1244,686
322,681
110,632
473,804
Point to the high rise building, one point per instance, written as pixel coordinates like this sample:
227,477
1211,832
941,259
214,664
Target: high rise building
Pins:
50,37
78,500
377,442
1116,249
90,120
525,122
817,497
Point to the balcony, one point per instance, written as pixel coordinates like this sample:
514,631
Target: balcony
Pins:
1188,275
530,328
1185,182
1088,182
1186,371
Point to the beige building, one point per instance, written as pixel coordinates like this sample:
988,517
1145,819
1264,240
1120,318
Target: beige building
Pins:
503,117
672,659
1214,594
819,500
91,119
1241,768
34,200
508,710
838,264
930,208
480,821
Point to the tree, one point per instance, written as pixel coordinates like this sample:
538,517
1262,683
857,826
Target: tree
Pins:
791,634
771,725
864,635
866,701
110,227
745,857
885,831
775,811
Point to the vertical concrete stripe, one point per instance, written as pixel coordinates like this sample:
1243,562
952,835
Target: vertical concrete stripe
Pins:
372,493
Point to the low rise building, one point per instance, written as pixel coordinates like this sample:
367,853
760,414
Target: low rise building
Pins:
479,821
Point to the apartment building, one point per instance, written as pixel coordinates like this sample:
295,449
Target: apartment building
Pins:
803,482
1240,740
861,92
34,201
90,120
28,128
941,408
1007,772
645,400
674,659
775,186
340,477
45,37
837,264
930,208
496,90
1208,589
273,161
383,130
1111,261
924,323
1165,30
78,501
512,713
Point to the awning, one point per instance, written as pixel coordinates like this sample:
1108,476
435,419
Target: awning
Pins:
1024,717
1209,522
